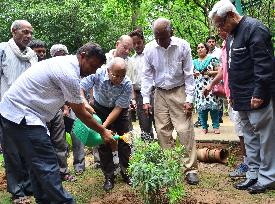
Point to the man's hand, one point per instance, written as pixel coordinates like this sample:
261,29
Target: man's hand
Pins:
256,102
147,109
207,89
188,108
133,104
66,111
107,136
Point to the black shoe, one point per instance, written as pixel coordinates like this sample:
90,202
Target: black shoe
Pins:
108,184
244,185
126,178
192,178
257,188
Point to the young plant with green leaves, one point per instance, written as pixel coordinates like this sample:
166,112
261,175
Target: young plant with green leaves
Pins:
156,173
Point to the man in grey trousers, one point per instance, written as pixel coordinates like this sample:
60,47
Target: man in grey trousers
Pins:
250,75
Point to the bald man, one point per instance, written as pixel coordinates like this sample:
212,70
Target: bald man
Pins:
112,94
15,58
124,45
168,64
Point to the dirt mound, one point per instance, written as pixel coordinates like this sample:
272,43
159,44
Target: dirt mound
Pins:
3,181
122,196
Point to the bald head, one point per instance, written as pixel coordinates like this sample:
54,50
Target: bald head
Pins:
124,45
17,24
117,70
163,32
118,64
162,24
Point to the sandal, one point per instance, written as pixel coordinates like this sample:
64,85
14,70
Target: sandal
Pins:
68,177
21,200
79,172
204,131
216,131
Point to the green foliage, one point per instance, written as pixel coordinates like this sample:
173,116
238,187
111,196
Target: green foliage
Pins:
157,173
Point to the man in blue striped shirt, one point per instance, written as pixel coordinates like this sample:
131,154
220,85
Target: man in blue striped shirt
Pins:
112,94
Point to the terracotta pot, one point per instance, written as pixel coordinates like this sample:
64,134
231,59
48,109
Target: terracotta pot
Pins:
214,155
202,154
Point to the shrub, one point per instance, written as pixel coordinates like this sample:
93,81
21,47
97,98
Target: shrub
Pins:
156,173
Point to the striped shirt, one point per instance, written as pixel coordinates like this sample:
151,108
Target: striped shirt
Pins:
104,92
42,90
11,67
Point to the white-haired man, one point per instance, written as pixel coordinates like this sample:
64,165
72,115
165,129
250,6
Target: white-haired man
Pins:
112,91
250,73
15,58
168,64
58,50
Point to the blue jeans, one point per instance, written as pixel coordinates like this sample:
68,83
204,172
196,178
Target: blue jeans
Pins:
35,147
203,115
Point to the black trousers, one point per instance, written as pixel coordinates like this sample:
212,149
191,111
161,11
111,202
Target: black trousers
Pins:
120,126
32,144
56,128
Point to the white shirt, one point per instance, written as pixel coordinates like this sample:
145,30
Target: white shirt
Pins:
134,71
42,90
217,52
168,68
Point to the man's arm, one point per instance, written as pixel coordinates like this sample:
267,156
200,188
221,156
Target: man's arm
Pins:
187,67
87,83
112,116
261,52
81,113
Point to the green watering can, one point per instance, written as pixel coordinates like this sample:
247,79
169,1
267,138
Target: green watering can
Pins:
91,138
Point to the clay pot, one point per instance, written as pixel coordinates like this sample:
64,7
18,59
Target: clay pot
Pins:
214,155
202,154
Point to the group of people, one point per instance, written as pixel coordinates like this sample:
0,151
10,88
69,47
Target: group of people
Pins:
161,81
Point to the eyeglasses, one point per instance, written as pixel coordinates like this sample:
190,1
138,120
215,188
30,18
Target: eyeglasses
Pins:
222,23
116,76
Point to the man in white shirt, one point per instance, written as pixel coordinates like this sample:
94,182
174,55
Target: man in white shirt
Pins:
168,64
134,71
34,99
15,58
214,51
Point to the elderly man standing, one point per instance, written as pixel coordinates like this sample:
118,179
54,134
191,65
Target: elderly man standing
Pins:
33,100
168,64
124,45
250,68
15,58
112,92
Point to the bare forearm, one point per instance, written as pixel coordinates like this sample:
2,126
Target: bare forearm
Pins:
112,116
81,113
217,78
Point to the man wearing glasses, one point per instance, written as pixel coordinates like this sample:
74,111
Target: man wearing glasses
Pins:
112,92
250,68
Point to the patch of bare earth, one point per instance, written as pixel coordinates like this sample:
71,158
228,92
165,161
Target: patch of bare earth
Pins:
3,181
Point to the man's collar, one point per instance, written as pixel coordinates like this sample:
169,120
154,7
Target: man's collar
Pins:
172,43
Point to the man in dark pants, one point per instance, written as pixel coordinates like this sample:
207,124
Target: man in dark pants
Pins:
32,100
15,58
112,93
134,72
250,74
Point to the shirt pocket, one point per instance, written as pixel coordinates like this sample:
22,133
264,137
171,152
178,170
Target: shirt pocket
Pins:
175,68
238,52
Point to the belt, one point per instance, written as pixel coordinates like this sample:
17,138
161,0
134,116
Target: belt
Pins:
162,89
